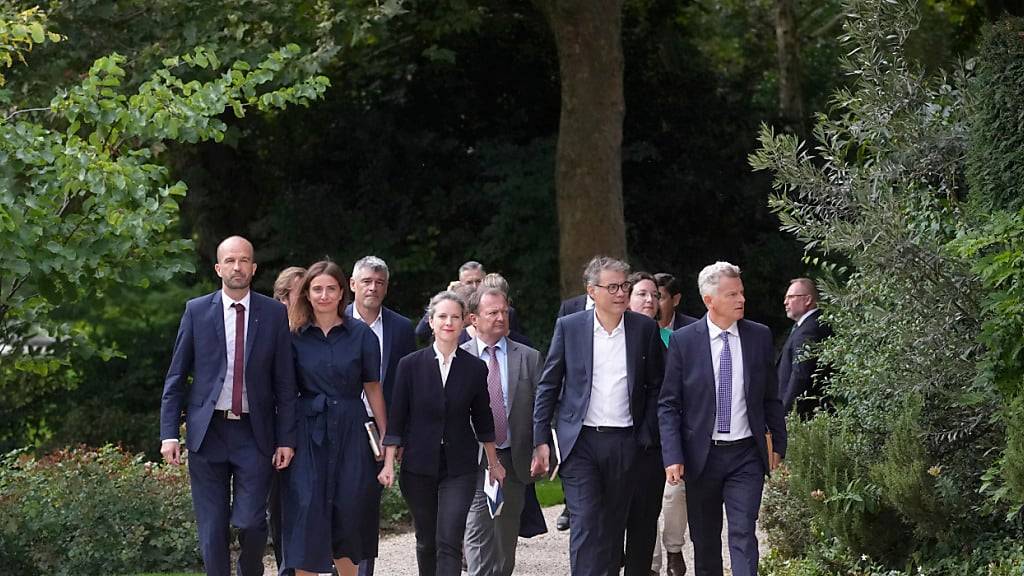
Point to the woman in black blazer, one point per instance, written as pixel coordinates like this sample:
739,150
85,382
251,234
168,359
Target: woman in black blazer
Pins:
440,410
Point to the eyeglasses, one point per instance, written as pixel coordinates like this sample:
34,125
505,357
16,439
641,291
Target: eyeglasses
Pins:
791,296
614,288
643,295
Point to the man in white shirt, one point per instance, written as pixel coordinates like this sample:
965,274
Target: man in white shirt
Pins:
606,365
718,400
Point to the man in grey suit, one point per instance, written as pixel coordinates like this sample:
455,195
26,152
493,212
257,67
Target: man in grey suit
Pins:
513,373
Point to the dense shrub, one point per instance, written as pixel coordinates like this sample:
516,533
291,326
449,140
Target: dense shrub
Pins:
94,512
995,158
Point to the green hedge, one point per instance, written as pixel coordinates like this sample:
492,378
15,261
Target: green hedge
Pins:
100,511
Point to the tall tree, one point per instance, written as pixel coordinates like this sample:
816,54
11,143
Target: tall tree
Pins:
787,42
588,158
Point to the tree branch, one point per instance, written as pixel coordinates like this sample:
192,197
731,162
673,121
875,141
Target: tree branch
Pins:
25,111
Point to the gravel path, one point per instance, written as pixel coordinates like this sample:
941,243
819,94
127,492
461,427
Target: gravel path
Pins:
544,555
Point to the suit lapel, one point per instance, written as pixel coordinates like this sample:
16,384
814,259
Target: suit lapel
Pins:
252,324
217,319
705,353
385,322
513,356
747,349
588,350
632,336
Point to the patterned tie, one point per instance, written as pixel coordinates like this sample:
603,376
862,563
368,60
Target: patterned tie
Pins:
725,387
497,398
236,380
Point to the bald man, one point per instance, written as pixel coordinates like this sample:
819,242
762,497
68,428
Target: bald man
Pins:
239,408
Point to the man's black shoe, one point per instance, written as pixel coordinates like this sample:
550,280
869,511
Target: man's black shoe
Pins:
562,522
676,564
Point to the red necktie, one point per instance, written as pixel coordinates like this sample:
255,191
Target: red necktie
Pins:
239,373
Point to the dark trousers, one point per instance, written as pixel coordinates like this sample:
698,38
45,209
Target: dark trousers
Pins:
367,565
439,507
598,489
230,483
531,521
642,523
733,475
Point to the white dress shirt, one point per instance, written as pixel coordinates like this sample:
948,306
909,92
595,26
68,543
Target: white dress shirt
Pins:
445,364
378,330
609,391
739,428
502,354
224,399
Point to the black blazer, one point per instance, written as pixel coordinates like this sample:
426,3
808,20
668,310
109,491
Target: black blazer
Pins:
681,320
568,375
797,377
423,413
398,342
573,305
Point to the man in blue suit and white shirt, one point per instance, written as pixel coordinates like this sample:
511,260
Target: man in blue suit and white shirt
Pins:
369,284
239,410
719,398
606,365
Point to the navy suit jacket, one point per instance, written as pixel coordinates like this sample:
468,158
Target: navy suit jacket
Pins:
681,320
797,377
570,366
573,305
200,351
399,341
686,411
423,413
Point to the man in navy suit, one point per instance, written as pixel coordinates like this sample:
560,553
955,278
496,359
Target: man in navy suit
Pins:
369,283
718,400
798,384
239,410
606,365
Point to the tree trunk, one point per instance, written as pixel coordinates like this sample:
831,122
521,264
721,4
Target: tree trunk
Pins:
588,163
787,41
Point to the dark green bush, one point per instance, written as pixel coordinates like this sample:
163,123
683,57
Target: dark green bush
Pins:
100,511
995,158
785,517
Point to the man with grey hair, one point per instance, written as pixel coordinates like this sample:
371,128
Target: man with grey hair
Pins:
369,284
717,437
606,366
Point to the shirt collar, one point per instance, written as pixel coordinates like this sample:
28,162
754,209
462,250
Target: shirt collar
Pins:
380,316
589,303
438,355
615,332
501,344
714,331
806,316
226,302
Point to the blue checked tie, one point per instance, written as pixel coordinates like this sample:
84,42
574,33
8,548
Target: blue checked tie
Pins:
725,387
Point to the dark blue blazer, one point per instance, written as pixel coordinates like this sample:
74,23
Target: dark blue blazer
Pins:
568,372
573,305
423,413
681,320
797,376
200,351
399,341
686,410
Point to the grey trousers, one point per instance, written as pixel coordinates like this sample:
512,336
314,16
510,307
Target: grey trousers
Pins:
491,542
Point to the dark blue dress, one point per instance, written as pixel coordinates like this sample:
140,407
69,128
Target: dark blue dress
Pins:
332,478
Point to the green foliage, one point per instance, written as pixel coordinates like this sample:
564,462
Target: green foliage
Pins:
94,512
879,201
19,33
784,515
995,158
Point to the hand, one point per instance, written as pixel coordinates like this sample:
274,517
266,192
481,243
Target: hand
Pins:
541,459
283,457
497,473
674,474
386,476
171,451
774,461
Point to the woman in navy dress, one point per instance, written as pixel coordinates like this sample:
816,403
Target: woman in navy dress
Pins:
332,477
440,410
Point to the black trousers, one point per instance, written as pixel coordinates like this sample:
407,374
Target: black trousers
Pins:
642,523
439,506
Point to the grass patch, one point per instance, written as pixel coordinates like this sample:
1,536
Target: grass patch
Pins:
549,493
